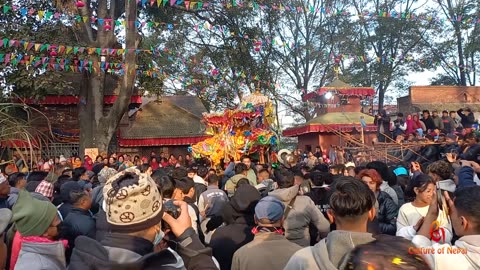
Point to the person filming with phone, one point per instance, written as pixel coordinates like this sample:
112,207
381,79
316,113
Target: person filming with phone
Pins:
464,212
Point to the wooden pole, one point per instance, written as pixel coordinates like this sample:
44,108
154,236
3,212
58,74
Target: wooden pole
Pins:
363,135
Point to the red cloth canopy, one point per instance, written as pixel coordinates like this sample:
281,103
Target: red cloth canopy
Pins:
69,100
160,141
296,131
354,91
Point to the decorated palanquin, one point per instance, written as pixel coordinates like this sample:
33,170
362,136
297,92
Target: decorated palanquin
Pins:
246,130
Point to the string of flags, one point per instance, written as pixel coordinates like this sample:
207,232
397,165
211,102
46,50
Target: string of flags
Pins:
306,8
55,50
106,23
67,65
61,49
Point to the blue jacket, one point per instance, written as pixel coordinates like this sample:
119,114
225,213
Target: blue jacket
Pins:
465,177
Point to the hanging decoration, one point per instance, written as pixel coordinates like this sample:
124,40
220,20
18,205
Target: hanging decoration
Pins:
80,4
242,131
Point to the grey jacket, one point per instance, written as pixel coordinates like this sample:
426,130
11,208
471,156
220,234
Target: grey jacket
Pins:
300,216
41,256
329,254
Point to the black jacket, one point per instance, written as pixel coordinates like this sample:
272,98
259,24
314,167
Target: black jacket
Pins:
428,154
467,121
429,124
65,209
92,255
387,214
472,153
228,239
78,222
238,215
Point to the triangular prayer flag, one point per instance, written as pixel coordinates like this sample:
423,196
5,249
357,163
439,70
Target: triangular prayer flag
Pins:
6,9
69,49
44,47
5,42
48,15
172,2
99,51
85,19
187,4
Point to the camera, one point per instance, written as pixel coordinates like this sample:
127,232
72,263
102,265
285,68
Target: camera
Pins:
172,210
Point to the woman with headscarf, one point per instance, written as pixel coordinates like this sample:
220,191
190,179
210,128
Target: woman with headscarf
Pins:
411,125
419,125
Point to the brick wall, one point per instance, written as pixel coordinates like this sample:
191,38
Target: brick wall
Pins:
445,94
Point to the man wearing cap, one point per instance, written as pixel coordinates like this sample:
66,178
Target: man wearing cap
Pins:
36,245
269,249
133,207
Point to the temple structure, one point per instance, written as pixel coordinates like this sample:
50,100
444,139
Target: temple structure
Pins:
339,117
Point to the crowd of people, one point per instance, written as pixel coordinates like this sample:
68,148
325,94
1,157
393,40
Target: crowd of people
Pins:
149,213
413,127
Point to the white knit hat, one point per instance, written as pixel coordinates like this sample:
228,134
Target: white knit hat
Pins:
133,202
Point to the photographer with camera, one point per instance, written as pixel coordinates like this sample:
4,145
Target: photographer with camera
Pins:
134,212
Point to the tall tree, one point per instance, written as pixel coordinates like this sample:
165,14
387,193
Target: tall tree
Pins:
457,56
97,126
391,40
309,37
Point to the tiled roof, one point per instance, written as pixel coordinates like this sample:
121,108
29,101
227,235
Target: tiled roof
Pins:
341,118
178,116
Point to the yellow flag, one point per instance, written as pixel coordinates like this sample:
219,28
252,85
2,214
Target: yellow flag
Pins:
85,19
25,45
37,46
40,14
69,49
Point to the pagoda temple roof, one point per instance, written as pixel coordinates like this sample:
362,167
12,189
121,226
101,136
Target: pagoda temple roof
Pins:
342,88
339,121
